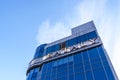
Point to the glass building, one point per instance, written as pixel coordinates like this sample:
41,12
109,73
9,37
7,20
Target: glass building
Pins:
80,56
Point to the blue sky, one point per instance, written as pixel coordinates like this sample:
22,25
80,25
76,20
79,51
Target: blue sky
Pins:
24,24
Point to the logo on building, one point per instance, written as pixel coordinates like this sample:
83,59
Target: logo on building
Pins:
67,50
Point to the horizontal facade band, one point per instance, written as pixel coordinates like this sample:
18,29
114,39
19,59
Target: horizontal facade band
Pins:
53,56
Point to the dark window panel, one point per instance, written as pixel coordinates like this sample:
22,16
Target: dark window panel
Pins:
80,76
62,45
89,75
39,51
85,55
95,60
71,42
83,38
92,35
87,68
71,77
78,65
79,70
99,74
101,52
97,66
109,73
77,58
93,53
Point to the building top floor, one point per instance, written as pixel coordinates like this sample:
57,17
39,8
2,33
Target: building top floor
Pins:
79,34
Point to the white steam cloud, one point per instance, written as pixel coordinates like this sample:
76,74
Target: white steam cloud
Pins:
105,18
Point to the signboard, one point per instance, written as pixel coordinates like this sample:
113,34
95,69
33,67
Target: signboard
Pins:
67,50
71,48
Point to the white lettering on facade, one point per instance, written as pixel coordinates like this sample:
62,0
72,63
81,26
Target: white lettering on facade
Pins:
69,49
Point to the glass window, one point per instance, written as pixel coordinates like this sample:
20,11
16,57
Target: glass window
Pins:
64,67
44,68
65,60
83,38
49,66
109,73
39,75
56,63
101,51
79,70
92,35
62,45
62,78
78,65
99,74
33,78
57,47
89,75
70,65
60,61
70,58
53,76
47,78
77,58
30,74
86,62
52,48
42,78
35,72
85,55
87,68
39,51
97,66
48,50
80,76
79,39
105,63
93,53
71,71
95,60
63,74
71,77
71,42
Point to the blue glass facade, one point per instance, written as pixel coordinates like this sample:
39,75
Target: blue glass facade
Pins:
39,51
88,64
73,41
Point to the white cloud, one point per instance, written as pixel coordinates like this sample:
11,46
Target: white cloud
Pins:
106,21
48,33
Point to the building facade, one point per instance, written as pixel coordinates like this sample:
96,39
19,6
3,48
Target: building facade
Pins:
80,56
